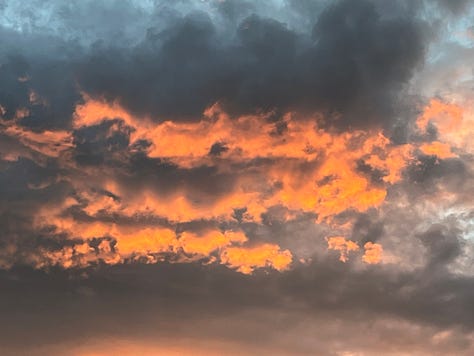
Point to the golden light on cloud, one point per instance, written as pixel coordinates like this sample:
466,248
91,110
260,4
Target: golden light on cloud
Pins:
446,116
331,184
209,242
454,123
341,244
439,149
304,169
373,253
246,260
149,243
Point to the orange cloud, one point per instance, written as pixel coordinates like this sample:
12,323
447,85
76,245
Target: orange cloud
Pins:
144,241
391,160
454,122
330,184
304,168
147,243
93,112
48,143
439,149
446,116
341,244
245,260
209,242
308,169
373,253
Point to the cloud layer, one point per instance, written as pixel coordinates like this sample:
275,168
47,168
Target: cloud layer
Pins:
299,170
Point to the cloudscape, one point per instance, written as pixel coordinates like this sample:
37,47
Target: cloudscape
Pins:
236,177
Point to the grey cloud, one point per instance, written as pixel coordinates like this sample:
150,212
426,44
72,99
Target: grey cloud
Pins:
354,64
98,143
183,296
455,7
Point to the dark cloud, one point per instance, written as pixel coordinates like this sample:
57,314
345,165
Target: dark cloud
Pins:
354,65
124,296
26,181
453,174
54,81
45,87
14,93
217,149
206,182
367,228
443,244
25,187
94,144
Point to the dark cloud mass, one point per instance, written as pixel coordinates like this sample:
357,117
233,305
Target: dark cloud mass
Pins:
354,64
236,177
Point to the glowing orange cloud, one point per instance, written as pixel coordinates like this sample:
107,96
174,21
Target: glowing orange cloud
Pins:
245,260
373,253
454,122
309,170
331,182
439,149
93,112
48,143
210,241
341,244
148,243
446,116
303,169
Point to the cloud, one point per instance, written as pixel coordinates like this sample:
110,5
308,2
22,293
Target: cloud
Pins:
246,260
342,245
373,253
344,71
167,164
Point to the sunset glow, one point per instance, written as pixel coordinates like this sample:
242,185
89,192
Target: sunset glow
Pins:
236,177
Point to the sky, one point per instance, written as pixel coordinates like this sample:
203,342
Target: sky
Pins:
236,177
